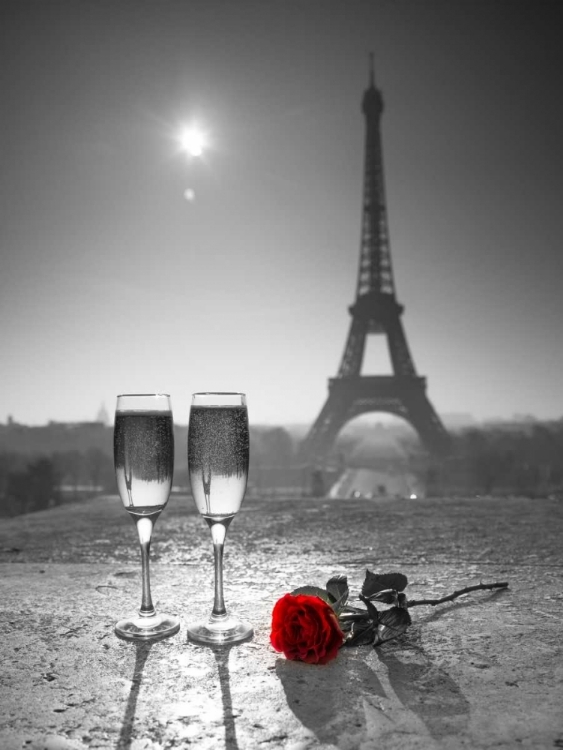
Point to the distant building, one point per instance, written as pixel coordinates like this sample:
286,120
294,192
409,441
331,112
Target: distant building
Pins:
103,416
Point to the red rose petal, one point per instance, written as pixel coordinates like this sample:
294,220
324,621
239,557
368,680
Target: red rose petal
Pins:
305,628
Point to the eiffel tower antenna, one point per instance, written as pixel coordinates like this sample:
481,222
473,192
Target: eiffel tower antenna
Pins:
375,312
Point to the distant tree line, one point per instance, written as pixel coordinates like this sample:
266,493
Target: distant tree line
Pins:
508,460
31,481
25,485
503,460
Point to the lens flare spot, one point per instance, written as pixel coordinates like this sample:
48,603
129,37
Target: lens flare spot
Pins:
193,141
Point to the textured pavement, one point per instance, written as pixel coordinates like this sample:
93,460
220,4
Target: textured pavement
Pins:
484,671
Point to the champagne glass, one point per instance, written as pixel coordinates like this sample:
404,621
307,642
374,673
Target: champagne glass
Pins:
143,448
218,469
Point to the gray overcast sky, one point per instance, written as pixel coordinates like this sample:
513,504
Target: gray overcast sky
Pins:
111,281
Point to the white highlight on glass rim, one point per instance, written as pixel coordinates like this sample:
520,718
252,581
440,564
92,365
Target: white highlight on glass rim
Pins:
219,398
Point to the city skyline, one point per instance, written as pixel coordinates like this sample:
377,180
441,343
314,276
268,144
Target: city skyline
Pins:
452,420
130,266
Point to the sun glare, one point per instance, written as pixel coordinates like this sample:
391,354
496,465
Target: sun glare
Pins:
193,141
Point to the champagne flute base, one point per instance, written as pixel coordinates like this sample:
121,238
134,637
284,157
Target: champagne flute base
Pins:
137,628
220,631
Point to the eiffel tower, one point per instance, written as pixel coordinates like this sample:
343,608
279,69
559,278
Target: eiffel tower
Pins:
375,311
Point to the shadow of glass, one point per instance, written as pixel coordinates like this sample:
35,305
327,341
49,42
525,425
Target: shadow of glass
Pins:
222,659
329,699
124,739
425,689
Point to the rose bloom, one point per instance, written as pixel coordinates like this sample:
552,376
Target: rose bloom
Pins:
306,629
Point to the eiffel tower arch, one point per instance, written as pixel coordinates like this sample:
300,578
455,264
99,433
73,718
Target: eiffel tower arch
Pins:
375,312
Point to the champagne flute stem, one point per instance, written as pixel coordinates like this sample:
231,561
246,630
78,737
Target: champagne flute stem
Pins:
144,529
218,602
218,534
147,609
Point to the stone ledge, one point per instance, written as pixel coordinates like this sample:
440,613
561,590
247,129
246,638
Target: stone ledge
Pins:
483,671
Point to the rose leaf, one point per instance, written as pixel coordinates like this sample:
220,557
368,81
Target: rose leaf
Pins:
313,591
361,634
345,625
388,596
337,588
392,623
376,582
372,612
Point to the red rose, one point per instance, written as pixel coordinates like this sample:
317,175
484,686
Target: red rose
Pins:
305,628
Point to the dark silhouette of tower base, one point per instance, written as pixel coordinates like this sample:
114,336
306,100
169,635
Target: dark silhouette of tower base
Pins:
353,396
375,312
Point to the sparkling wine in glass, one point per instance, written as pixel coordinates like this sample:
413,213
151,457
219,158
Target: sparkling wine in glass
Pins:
218,469
143,445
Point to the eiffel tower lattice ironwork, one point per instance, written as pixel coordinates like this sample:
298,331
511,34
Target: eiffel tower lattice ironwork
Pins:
375,311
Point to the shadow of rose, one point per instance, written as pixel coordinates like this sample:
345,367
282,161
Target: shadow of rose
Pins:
329,699
425,688
334,700
435,613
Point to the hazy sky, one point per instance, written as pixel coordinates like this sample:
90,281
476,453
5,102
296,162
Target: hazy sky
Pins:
112,281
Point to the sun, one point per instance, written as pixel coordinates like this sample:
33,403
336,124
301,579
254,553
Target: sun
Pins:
193,141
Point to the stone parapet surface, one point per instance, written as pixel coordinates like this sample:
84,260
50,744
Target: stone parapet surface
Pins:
484,671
